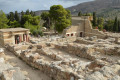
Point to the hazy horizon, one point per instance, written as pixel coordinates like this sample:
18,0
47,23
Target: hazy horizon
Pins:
34,5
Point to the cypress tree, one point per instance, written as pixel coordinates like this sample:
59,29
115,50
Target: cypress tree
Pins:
16,16
22,20
94,19
115,27
11,16
32,13
80,13
118,26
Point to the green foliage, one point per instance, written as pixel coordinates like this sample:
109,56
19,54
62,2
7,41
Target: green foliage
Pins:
57,11
46,17
61,17
118,26
32,13
109,13
16,16
3,20
85,14
13,19
34,29
94,19
115,26
33,20
62,25
22,20
27,12
109,25
100,23
14,24
80,13
11,16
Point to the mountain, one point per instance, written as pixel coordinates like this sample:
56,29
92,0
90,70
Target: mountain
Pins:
105,8
40,11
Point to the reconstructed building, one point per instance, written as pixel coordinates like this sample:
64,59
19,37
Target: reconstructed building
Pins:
13,36
82,27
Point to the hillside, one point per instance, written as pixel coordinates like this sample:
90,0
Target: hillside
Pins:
105,8
108,9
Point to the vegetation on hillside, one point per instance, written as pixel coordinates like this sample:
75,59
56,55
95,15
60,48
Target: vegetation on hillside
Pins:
108,9
112,25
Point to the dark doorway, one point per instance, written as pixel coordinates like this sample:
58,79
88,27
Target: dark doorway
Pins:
72,34
17,39
81,34
67,34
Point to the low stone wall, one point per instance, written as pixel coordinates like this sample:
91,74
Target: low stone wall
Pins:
82,51
83,41
53,69
68,39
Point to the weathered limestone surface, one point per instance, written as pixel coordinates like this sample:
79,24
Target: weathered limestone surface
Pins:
49,58
7,71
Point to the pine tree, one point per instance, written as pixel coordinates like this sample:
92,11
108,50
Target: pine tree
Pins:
115,27
3,20
16,16
94,19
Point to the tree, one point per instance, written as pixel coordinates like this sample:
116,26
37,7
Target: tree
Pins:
60,16
14,24
16,16
109,25
45,16
100,23
11,16
3,20
22,20
80,13
94,19
27,12
32,13
68,16
118,26
115,26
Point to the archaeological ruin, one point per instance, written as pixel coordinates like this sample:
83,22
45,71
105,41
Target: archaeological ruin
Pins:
13,35
82,27
82,54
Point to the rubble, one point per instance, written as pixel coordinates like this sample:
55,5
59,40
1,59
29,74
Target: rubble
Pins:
7,71
86,58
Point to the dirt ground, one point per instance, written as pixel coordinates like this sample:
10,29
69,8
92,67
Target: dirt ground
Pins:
32,73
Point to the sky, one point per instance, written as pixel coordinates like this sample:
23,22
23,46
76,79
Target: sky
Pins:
34,5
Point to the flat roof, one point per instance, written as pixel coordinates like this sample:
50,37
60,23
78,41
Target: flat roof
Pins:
13,29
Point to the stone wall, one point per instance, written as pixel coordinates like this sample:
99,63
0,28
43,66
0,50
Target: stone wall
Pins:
53,69
81,51
68,39
82,27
